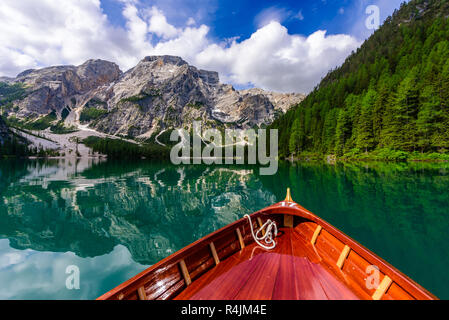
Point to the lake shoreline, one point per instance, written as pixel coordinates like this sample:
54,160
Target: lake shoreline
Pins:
425,158
290,160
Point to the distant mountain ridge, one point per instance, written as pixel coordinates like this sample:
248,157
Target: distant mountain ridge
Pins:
160,93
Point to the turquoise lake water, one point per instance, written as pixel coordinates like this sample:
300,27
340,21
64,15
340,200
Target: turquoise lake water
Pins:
114,219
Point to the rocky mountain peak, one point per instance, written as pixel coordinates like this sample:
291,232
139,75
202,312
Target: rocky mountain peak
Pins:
173,60
25,73
98,72
54,89
164,67
158,94
92,73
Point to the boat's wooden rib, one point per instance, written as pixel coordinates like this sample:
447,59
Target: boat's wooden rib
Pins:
312,261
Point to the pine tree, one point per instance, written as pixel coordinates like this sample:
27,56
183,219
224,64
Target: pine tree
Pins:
426,123
365,133
383,95
442,139
342,132
400,121
329,130
294,138
296,142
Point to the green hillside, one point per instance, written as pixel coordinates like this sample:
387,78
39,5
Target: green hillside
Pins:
390,99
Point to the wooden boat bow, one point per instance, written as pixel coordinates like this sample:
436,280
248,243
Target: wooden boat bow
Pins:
311,261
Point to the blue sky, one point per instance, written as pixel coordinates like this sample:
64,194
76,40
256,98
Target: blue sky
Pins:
230,18
285,46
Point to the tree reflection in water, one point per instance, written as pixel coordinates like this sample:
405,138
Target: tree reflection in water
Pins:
400,211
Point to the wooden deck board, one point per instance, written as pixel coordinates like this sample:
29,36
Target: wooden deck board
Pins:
285,273
302,248
230,275
207,278
308,285
334,288
260,283
285,285
329,285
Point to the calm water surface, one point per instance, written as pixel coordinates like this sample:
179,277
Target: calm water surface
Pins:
113,220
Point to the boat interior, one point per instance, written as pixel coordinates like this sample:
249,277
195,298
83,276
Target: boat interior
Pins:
291,271
311,261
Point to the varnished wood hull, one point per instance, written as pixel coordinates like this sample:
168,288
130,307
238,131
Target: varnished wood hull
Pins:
312,261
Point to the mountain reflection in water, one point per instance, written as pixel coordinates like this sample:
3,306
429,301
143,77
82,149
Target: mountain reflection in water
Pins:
114,219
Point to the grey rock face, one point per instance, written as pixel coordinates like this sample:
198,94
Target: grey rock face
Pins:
164,92
160,93
55,88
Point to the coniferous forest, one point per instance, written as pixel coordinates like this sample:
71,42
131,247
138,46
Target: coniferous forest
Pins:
390,99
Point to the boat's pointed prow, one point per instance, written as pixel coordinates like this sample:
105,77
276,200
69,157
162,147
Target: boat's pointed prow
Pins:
289,196
308,259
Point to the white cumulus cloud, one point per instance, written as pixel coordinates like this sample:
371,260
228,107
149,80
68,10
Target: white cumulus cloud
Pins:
159,24
37,34
273,59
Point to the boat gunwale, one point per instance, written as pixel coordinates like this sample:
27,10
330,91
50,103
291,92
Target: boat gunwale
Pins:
179,255
404,281
282,208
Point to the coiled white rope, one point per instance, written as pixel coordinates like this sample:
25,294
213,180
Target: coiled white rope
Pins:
271,232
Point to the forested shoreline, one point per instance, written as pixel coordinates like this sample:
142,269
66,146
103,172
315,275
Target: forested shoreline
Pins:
388,101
